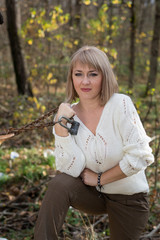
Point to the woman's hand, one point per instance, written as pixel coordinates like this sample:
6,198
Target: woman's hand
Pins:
65,110
89,177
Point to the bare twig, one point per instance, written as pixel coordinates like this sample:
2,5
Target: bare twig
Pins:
100,220
24,193
15,205
149,109
152,233
4,109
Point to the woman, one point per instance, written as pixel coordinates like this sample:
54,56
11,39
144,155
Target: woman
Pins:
102,167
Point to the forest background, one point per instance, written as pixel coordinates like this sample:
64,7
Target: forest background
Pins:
37,40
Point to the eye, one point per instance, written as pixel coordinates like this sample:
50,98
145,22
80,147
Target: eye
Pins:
78,74
94,74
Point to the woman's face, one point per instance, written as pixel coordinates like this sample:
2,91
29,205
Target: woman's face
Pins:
87,81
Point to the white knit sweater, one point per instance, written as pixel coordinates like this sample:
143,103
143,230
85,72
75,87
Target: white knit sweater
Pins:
120,138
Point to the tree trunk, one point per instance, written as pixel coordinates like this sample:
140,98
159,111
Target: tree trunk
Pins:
154,49
75,20
75,11
132,45
47,34
1,18
110,23
144,6
16,52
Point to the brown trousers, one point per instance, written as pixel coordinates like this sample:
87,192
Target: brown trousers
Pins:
128,214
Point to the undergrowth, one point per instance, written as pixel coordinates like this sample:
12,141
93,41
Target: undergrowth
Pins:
27,175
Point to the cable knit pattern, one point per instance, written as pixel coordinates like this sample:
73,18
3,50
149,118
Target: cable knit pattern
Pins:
120,139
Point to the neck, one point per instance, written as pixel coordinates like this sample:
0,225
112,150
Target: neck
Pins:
89,105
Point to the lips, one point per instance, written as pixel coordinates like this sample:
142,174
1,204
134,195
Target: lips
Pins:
85,89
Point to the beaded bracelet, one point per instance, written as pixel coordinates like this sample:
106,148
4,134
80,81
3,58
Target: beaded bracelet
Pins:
99,181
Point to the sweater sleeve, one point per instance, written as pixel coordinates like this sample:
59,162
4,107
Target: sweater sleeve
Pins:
137,152
69,157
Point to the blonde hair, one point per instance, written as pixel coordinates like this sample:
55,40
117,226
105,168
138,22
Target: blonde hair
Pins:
96,58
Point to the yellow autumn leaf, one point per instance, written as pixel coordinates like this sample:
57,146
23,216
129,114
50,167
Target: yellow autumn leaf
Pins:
16,115
115,1
142,35
87,2
35,100
30,99
113,53
31,110
38,105
27,57
137,105
61,19
30,42
68,44
42,13
129,4
50,75
100,28
34,72
147,68
53,81
33,13
95,4
138,111
43,108
76,42
41,33
153,90
105,50
58,37
30,79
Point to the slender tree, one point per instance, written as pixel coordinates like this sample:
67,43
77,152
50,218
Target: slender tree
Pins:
19,67
75,11
75,20
132,45
1,18
110,22
144,6
154,49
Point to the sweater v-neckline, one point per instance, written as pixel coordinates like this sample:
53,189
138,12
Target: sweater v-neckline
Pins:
99,122
81,123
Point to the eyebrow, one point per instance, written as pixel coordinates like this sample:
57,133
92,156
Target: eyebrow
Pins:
82,71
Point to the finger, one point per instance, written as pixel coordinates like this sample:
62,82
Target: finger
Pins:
82,175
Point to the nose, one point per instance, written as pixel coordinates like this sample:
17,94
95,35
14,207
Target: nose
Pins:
85,80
